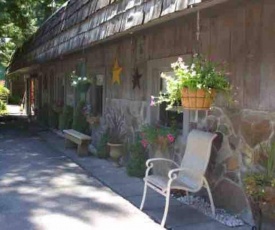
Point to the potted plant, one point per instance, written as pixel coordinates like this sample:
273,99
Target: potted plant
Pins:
158,140
158,136
194,84
117,131
136,165
260,186
82,83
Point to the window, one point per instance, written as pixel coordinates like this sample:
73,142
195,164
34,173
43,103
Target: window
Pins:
169,117
99,95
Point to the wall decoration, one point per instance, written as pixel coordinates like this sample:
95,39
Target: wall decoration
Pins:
116,72
136,77
99,79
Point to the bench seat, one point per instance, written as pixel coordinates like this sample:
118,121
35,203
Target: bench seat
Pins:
82,141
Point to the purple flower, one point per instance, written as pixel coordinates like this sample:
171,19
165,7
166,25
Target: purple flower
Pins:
152,103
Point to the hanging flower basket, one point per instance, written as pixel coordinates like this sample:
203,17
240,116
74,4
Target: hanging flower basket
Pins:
83,87
194,84
199,99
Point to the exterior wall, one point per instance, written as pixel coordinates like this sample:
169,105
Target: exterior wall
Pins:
242,36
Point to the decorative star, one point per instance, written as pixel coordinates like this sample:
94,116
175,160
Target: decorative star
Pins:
116,72
136,77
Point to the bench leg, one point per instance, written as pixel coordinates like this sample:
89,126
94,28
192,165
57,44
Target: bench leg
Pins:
82,149
69,144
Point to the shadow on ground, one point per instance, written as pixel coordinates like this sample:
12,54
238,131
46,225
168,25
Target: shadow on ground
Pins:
42,189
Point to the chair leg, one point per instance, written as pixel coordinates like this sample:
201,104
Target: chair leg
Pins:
144,196
210,197
166,208
187,195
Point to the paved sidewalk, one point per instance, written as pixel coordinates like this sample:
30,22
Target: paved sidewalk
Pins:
180,216
42,189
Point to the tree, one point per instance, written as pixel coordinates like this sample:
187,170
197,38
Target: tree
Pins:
19,19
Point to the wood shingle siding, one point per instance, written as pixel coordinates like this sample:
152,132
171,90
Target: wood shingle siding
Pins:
79,24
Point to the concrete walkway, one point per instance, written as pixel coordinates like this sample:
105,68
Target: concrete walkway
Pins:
180,216
41,188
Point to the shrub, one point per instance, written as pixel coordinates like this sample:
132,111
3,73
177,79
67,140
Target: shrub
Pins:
3,108
4,91
43,114
136,164
15,100
66,118
102,150
53,119
79,120
117,128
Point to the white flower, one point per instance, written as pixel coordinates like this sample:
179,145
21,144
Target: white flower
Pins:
84,78
79,78
174,65
162,75
193,73
183,66
193,66
74,82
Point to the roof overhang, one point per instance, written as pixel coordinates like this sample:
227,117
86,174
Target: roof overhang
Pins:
25,70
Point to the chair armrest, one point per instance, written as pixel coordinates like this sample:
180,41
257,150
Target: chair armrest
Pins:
173,173
149,162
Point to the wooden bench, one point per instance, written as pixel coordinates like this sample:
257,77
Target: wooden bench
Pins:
73,137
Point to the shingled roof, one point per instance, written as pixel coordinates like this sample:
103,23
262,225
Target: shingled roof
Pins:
81,23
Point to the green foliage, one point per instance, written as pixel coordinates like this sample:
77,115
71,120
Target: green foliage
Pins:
199,74
19,19
102,149
66,118
43,114
3,108
15,100
79,120
158,135
136,165
4,91
53,119
255,185
268,152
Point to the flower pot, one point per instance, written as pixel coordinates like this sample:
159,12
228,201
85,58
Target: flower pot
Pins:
116,152
197,99
93,120
83,87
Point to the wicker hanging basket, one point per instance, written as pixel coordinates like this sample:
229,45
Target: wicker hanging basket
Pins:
199,99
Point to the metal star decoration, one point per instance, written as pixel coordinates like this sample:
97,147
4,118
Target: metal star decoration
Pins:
136,78
116,73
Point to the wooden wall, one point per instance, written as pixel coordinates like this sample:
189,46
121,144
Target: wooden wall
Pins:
241,35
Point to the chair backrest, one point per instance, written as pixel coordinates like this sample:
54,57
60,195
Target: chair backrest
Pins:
196,157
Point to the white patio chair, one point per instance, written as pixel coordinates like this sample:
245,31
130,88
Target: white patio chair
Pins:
189,176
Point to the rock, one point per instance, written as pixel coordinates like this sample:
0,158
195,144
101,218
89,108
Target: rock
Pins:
230,196
223,129
211,123
216,174
233,142
235,118
255,130
225,151
232,163
233,176
215,112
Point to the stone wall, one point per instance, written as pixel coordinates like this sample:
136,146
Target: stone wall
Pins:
235,152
